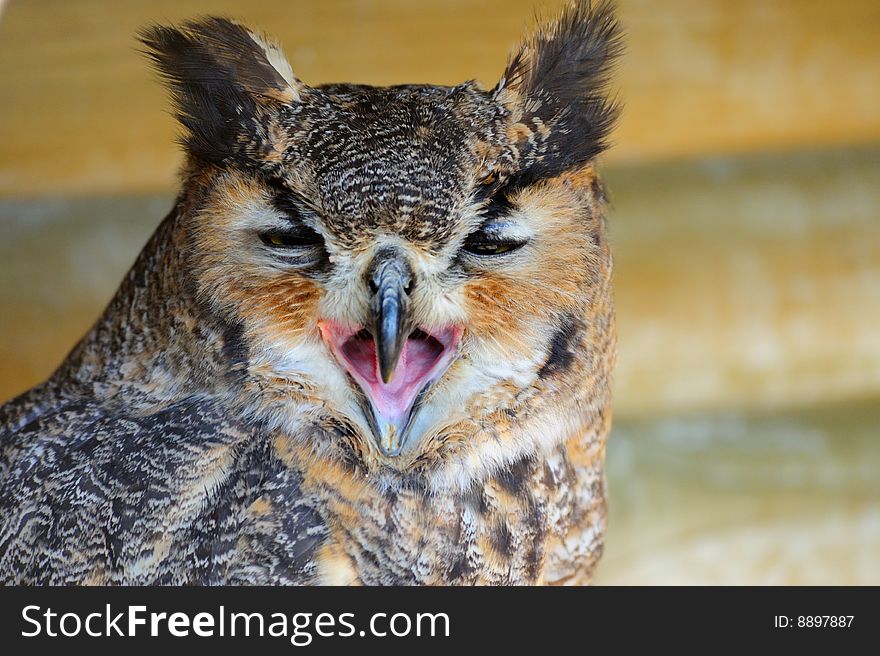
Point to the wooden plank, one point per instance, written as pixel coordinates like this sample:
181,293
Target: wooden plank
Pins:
81,114
747,282
781,498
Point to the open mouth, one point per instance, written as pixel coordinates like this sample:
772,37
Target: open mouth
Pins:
424,357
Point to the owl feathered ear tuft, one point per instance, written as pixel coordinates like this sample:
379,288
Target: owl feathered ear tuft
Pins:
223,78
555,87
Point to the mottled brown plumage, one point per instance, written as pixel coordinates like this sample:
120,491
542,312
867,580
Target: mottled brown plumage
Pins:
370,344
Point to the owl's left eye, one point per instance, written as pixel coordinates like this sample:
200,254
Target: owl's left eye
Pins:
480,246
493,239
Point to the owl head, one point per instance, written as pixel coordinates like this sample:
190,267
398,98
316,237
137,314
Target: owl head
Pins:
416,276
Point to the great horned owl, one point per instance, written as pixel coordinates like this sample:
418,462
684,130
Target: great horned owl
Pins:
370,344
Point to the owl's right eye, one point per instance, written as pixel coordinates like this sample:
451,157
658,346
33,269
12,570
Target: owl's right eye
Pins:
294,242
299,237
296,246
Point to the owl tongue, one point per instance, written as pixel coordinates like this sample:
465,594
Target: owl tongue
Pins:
424,357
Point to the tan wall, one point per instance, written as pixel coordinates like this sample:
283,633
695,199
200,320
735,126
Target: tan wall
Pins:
82,114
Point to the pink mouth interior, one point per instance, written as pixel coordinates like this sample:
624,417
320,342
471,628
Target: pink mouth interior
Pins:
424,355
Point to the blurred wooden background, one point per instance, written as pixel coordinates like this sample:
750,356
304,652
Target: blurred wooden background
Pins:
745,179
80,110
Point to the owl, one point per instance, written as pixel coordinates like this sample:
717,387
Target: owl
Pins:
370,344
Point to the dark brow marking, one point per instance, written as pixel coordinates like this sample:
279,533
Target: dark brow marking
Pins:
296,208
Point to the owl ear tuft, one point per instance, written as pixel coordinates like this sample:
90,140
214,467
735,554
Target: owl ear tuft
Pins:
555,89
222,77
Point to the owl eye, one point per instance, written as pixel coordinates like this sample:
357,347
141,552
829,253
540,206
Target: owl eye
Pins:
484,244
299,237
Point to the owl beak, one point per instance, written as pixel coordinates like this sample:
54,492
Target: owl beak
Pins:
390,281
393,360
392,407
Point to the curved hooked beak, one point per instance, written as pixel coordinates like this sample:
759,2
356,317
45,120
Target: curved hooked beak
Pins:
393,360
390,312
